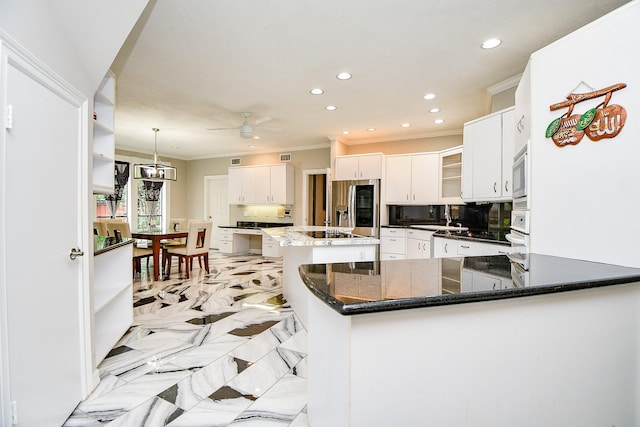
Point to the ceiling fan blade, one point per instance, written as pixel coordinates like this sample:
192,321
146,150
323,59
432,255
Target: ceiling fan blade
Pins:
270,129
262,120
226,120
222,128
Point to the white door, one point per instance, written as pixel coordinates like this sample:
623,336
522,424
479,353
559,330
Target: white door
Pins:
43,206
216,205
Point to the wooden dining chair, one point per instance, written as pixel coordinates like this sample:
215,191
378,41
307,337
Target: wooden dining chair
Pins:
197,246
122,229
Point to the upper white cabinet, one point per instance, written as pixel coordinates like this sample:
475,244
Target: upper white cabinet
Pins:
451,176
488,145
366,166
103,135
261,185
412,179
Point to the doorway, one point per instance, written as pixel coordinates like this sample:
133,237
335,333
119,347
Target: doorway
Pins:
216,205
315,197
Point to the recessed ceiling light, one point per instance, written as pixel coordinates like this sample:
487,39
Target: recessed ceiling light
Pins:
371,129
434,110
251,146
345,132
256,137
405,125
429,96
316,91
331,108
491,43
343,76
438,121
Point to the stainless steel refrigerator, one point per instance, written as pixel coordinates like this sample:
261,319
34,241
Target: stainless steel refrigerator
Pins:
356,204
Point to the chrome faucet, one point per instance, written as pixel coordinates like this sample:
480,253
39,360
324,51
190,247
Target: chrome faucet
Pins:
447,215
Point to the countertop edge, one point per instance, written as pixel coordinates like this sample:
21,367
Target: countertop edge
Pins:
348,309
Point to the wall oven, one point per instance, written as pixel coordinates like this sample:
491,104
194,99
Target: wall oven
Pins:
521,180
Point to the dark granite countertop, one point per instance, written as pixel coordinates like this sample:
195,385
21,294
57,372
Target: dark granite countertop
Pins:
254,225
102,244
378,286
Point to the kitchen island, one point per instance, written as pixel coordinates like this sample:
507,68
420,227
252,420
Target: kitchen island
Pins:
316,244
553,342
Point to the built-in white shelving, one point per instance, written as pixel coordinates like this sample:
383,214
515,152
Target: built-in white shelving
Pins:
103,135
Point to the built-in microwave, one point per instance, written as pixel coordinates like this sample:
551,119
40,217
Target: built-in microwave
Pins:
521,179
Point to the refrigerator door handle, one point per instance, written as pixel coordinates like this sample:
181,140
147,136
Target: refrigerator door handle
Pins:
352,206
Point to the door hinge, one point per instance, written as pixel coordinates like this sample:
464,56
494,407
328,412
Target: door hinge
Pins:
14,412
8,118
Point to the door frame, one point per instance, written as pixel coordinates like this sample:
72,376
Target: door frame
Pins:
305,192
14,54
207,182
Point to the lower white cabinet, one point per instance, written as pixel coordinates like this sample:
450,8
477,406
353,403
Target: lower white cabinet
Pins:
230,245
270,247
444,247
419,244
112,298
393,243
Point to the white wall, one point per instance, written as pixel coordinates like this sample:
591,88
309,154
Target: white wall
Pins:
585,198
77,39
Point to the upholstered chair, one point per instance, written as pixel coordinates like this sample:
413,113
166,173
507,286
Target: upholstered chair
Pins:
197,246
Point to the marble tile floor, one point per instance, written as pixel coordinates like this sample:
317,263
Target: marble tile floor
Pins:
219,349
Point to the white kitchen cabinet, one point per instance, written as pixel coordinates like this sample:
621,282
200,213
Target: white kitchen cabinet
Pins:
488,145
444,247
242,185
419,244
451,176
367,166
393,243
282,184
471,248
270,247
412,179
103,145
262,185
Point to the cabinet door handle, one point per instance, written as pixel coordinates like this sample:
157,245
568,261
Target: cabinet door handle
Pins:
407,196
506,186
445,248
495,188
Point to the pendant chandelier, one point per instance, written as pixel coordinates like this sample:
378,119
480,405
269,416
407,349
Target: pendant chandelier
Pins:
156,171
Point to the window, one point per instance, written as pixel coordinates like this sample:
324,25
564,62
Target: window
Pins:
141,204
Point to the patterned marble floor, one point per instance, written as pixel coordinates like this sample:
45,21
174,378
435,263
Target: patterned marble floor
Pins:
219,349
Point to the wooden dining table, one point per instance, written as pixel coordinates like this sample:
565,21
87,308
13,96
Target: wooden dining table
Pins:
156,237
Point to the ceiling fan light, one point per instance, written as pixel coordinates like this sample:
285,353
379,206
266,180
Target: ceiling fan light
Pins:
246,131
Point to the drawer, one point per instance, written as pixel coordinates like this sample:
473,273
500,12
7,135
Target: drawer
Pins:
420,234
384,256
395,245
226,247
393,232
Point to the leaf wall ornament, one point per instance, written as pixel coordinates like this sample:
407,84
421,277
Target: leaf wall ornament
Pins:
603,121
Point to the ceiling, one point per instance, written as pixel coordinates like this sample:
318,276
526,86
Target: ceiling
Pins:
193,65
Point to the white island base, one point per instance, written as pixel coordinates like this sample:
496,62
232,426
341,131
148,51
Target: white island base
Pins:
294,289
564,359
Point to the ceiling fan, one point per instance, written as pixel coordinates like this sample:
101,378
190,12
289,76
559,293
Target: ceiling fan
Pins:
246,128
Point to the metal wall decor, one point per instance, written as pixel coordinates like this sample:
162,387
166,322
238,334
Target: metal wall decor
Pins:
603,121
